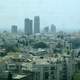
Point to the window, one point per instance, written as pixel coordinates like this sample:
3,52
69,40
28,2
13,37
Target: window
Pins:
46,75
53,68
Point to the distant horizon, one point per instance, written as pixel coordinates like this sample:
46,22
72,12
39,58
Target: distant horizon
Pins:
65,29
65,14
22,30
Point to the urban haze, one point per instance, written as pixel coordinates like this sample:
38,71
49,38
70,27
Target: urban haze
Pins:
39,40
63,13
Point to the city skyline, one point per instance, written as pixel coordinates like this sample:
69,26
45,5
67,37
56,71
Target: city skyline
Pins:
63,14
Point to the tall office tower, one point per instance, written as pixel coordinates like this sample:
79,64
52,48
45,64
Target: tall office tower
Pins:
31,27
46,29
36,24
14,29
28,26
53,28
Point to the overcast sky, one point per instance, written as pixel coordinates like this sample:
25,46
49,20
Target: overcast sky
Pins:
65,14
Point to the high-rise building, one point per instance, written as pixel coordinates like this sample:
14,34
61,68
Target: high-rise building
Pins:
36,24
28,26
14,29
46,29
53,28
30,29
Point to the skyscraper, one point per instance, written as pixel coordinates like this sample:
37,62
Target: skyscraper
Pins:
31,27
53,28
36,24
28,26
46,29
14,29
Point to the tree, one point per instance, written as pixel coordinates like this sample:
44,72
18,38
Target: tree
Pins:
75,42
76,76
10,45
40,45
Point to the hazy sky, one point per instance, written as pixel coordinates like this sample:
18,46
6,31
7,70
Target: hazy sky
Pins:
65,14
